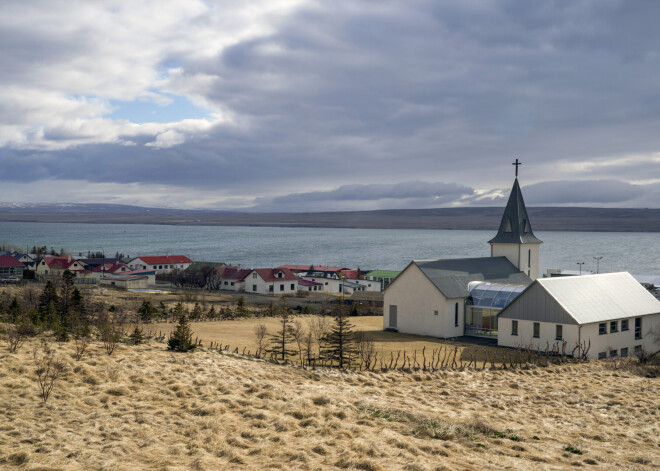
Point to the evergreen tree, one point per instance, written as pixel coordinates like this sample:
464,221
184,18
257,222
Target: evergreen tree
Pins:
196,312
66,293
181,339
15,312
137,336
280,341
147,311
241,310
211,314
340,342
48,296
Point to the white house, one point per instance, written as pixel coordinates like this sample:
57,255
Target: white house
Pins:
271,281
612,312
229,278
160,263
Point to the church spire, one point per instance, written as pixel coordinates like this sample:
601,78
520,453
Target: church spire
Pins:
515,227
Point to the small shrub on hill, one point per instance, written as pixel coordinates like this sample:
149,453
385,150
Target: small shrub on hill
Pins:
181,339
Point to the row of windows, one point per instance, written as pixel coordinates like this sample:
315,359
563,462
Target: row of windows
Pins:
160,267
536,330
615,353
614,327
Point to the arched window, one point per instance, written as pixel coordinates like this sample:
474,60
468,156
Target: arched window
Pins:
456,315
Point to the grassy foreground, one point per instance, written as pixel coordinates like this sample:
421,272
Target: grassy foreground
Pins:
147,408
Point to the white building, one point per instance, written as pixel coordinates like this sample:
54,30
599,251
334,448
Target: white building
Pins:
612,312
271,281
160,263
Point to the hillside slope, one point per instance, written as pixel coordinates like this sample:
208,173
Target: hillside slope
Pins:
146,408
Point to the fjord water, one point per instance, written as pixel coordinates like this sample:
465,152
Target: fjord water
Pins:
367,248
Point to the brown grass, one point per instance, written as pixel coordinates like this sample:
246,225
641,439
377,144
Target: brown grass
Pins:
146,408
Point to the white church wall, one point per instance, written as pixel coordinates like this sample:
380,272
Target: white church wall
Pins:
612,342
525,336
417,301
454,325
524,256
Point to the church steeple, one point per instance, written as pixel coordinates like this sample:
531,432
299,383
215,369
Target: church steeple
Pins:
515,227
515,239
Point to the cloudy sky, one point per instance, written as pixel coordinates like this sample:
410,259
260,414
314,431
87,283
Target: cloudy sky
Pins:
287,105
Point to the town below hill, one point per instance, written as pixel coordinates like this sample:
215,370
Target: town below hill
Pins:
482,218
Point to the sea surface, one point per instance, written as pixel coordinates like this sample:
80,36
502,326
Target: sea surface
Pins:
392,249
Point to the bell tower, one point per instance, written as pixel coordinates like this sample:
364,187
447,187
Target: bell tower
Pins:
515,239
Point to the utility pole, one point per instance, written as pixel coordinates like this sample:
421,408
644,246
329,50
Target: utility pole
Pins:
580,263
598,259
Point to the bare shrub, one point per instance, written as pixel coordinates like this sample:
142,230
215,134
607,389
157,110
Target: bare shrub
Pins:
320,328
49,368
81,342
260,332
110,336
365,347
15,337
298,333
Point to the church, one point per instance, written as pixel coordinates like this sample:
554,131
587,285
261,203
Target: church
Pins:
501,297
455,297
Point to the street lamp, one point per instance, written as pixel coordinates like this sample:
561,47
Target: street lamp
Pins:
598,259
580,263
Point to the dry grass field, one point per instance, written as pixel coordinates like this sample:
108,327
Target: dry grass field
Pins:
147,408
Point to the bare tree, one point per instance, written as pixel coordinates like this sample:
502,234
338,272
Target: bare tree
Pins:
49,368
109,335
320,327
299,336
81,342
365,348
260,332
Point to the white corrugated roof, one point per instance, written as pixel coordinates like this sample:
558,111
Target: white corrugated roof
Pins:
599,298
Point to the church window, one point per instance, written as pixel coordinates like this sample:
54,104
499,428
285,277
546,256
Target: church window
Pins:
638,328
507,227
602,328
537,330
559,332
614,326
514,327
529,258
624,324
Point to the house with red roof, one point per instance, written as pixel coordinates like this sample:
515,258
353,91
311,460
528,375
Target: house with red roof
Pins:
10,267
307,285
231,278
52,266
160,263
271,281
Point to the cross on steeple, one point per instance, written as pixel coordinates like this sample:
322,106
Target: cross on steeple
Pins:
516,163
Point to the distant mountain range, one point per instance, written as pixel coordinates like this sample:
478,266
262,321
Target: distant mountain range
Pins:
487,218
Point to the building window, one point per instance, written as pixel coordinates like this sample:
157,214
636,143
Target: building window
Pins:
529,258
154,267
624,325
456,315
638,349
393,316
232,283
271,288
435,313
293,286
614,326
559,333
254,275
602,328
281,287
638,328
254,287
614,353
514,327
624,352
280,274
160,267
602,355
537,330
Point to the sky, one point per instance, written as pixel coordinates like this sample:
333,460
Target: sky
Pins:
296,105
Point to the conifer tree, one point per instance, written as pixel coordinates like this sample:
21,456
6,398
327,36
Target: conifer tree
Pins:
137,336
340,341
196,312
280,340
181,339
241,310
48,296
146,311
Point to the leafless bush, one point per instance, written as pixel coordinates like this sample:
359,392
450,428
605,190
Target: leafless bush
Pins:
365,349
260,332
298,333
110,336
320,328
49,368
15,337
81,342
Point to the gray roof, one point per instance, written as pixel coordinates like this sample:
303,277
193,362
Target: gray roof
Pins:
451,276
515,227
583,299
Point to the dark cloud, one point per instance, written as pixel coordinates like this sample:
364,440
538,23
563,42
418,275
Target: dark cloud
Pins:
347,95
